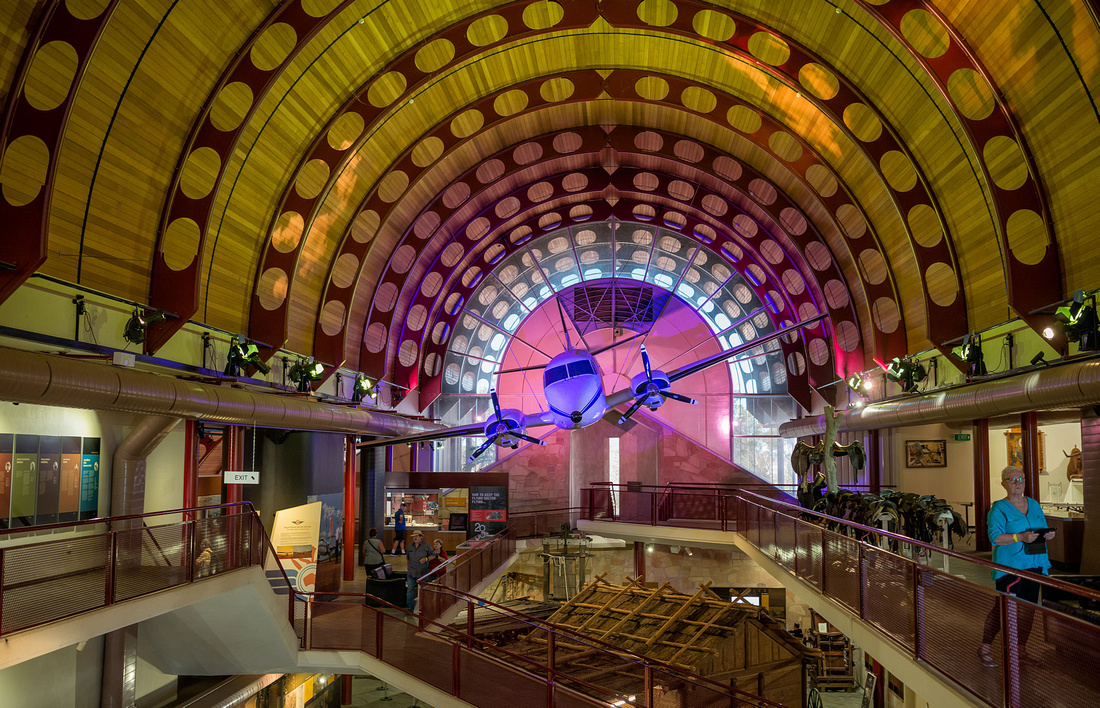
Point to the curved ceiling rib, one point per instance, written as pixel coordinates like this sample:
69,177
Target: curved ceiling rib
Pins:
807,164
32,132
395,84
680,222
1031,264
283,270
688,201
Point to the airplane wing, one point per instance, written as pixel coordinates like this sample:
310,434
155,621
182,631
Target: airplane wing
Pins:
626,395
470,430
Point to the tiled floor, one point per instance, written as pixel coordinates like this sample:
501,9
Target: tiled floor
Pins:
369,692
842,699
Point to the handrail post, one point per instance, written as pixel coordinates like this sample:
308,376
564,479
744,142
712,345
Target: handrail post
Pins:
648,676
190,552
918,611
550,643
470,624
1011,651
652,509
3,557
112,563
456,683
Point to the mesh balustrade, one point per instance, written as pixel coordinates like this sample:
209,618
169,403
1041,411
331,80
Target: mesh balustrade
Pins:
909,596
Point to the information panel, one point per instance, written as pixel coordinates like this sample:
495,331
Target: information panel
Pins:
68,509
89,479
7,440
488,510
24,481
49,480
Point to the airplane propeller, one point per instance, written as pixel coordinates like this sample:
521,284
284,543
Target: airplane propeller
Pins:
505,428
651,389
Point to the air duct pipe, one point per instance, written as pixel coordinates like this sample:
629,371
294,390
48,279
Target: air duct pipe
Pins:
55,380
1071,385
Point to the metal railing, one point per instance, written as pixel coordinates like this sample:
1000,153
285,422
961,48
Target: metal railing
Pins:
921,603
96,563
464,572
533,524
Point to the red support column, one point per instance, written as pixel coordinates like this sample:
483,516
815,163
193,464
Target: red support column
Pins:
880,684
981,485
1029,437
349,508
639,559
233,438
874,466
190,465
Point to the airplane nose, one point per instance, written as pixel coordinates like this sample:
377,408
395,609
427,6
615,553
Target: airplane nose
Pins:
575,416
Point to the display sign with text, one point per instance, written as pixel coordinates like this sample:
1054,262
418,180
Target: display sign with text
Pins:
89,478
488,510
7,442
68,506
49,480
295,536
24,481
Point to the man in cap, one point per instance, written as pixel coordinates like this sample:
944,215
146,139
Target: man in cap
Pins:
417,554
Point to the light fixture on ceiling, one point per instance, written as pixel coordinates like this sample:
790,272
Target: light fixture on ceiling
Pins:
906,371
1080,322
363,388
305,372
972,354
242,355
137,324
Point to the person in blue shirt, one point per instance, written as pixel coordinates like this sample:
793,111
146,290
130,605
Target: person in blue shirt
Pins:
1014,522
399,531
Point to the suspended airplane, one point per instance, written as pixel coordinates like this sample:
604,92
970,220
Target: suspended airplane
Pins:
572,383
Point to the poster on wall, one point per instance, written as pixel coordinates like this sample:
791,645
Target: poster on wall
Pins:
89,478
488,510
295,537
49,480
332,525
68,505
24,481
7,440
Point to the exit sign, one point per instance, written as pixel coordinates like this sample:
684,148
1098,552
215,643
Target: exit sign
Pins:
962,437
242,477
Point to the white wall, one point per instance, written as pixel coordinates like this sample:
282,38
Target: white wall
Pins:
953,483
66,678
164,470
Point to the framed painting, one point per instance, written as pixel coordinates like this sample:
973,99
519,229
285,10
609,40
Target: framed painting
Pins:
1014,443
926,453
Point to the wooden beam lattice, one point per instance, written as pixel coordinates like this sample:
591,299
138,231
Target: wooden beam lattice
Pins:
683,610
607,606
652,598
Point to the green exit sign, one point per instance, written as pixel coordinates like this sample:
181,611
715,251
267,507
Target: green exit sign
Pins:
962,437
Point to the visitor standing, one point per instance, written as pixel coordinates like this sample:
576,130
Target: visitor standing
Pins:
399,530
1015,525
371,556
418,555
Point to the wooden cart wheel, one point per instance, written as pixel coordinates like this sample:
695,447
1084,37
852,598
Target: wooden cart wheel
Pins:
814,699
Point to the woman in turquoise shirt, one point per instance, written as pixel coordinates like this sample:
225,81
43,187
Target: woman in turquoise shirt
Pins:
1014,522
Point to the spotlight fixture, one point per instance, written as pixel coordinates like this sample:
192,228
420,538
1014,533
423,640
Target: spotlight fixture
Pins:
135,327
1079,320
1039,358
362,388
972,353
241,355
906,371
305,372
855,382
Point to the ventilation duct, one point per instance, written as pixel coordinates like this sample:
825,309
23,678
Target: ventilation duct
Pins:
1070,385
55,380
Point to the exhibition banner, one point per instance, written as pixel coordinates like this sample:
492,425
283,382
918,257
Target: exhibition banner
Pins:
89,479
49,480
68,507
24,481
7,441
295,537
488,510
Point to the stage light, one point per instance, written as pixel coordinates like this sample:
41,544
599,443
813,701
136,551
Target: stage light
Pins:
1080,322
1048,333
362,388
1039,359
855,382
906,371
241,355
138,322
303,373
972,354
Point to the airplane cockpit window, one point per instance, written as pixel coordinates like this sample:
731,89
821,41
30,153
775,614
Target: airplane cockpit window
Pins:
558,373
581,368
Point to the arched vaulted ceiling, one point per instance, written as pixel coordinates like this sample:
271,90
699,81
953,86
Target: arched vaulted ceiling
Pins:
327,176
